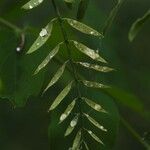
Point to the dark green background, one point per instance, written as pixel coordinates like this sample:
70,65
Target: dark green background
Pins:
26,128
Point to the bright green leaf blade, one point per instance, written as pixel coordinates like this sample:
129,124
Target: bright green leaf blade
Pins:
95,67
137,25
82,9
95,123
76,142
83,28
67,111
56,77
95,137
94,105
72,125
32,4
47,59
61,96
89,52
42,38
91,84
86,146
69,130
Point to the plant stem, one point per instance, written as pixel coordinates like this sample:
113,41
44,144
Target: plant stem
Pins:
10,25
135,134
70,58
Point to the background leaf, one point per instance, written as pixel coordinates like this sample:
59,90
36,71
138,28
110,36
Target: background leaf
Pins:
82,9
137,25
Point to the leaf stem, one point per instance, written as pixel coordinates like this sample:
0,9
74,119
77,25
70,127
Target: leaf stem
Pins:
134,133
10,25
70,58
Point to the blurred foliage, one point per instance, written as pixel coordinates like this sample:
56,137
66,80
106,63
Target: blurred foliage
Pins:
26,127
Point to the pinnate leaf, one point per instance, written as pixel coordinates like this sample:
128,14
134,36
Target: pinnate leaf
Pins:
47,59
44,35
32,4
67,111
95,123
89,52
83,28
61,96
56,77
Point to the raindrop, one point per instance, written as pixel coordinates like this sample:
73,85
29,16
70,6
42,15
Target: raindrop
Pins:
18,49
43,32
30,6
90,132
63,116
73,123
97,107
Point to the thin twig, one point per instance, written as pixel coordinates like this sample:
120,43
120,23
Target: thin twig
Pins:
10,25
70,58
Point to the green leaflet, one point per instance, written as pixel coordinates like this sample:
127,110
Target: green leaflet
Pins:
82,9
137,25
86,146
94,105
67,111
42,38
89,52
47,59
56,77
94,137
94,84
95,123
83,28
32,4
76,142
72,125
95,67
61,96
